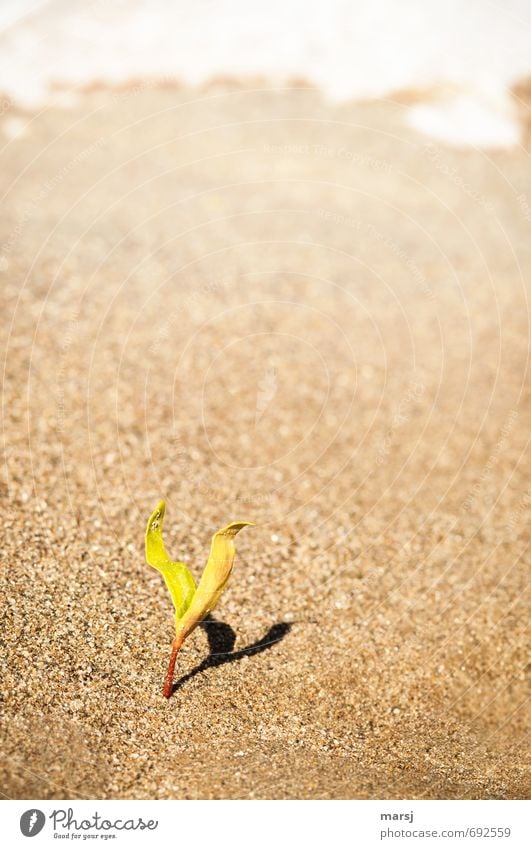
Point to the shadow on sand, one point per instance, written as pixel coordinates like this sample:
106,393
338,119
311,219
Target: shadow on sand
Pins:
221,639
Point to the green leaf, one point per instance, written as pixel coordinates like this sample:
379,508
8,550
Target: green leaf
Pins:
178,577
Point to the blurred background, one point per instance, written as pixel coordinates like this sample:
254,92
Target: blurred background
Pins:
464,56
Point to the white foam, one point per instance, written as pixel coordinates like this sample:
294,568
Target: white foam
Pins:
468,118
349,48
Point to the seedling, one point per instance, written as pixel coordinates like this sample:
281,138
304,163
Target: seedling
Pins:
191,603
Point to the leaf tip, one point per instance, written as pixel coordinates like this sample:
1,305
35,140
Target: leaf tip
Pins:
235,527
155,551
155,520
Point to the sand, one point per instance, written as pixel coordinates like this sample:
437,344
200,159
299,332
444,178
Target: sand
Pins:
260,306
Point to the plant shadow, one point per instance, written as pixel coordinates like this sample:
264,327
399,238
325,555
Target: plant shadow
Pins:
221,639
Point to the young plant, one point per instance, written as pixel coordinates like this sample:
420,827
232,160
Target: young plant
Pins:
191,603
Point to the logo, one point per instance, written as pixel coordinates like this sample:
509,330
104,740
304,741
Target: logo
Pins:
31,822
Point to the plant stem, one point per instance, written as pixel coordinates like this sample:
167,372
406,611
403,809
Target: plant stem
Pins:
168,682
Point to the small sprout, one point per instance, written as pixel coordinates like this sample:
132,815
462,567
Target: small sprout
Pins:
191,603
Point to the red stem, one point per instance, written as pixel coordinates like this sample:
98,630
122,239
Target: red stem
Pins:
168,682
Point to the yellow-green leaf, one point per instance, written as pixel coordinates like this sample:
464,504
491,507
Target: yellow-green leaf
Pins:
178,578
213,580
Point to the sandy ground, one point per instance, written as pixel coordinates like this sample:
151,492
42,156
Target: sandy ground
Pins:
260,306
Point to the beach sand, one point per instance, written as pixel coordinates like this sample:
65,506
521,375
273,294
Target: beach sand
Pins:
260,306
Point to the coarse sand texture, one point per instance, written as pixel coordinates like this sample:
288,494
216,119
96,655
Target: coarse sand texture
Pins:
258,305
